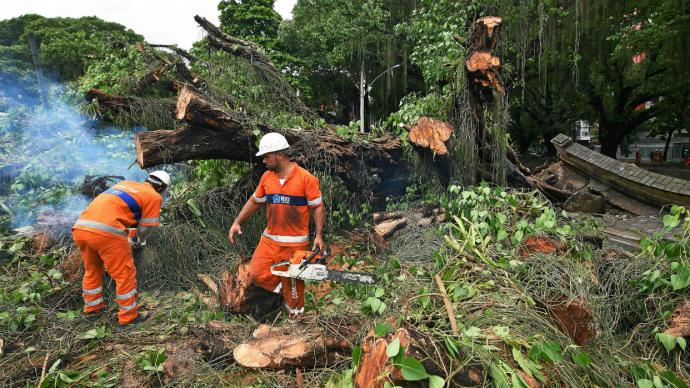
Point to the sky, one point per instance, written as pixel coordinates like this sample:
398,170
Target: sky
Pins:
159,21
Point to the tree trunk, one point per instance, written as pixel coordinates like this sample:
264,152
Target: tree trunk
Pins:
610,143
668,142
431,138
376,164
362,96
294,345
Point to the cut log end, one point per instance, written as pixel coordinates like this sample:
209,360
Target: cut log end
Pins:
292,345
247,355
432,134
482,61
490,22
183,100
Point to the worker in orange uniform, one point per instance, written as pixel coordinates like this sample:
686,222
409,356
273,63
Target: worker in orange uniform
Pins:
289,193
101,233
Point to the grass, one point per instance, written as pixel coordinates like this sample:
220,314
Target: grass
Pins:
498,295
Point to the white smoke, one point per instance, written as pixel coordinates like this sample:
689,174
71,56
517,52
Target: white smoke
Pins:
50,150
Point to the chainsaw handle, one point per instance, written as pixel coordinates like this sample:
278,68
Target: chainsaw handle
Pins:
280,264
314,253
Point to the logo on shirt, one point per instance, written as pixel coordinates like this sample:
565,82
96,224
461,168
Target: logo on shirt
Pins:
281,199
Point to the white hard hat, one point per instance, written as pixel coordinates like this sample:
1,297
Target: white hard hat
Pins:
160,176
272,142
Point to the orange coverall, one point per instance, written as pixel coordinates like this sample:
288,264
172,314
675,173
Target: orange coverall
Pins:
101,235
287,231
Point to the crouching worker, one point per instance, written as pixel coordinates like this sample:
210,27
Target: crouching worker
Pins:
101,233
289,193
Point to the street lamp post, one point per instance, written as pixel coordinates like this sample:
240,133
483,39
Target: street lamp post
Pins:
364,89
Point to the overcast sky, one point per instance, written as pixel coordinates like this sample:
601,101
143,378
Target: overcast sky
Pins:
159,21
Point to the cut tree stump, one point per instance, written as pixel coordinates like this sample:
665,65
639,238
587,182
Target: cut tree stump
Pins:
303,345
236,293
72,267
540,244
575,318
375,368
680,321
430,138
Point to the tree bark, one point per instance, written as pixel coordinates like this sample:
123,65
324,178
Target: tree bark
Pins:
295,345
669,135
214,133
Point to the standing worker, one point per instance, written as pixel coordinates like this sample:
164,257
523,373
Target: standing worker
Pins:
101,233
289,192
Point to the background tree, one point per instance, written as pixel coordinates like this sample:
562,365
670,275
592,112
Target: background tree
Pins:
254,20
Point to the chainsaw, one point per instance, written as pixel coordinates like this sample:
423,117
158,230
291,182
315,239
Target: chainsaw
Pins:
306,265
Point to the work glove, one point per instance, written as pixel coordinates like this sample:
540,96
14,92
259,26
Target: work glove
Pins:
135,243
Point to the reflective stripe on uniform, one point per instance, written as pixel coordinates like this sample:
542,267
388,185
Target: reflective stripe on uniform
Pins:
259,199
93,302
127,295
129,200
150,220
101,226
278,288
294,311
314,202
129,306
287,239
92,291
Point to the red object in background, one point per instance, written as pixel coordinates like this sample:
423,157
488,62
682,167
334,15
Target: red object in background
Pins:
639,57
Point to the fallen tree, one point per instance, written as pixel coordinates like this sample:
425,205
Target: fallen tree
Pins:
214,133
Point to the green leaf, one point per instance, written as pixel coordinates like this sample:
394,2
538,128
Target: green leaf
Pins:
382,329
673,379
472,332
54,366
681,279
379,292
501,235
499,375
412,370
436,381
668,341
553,351
581,358
530,367
670,221
393,348
644,383
89,334
451,346
681,342
356,355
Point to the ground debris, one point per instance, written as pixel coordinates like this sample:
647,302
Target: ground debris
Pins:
541,244
680,321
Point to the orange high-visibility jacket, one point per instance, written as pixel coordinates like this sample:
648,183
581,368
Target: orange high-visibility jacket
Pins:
287,205
125,205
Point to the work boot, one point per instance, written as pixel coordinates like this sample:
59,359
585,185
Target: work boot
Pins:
96,315
141,317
